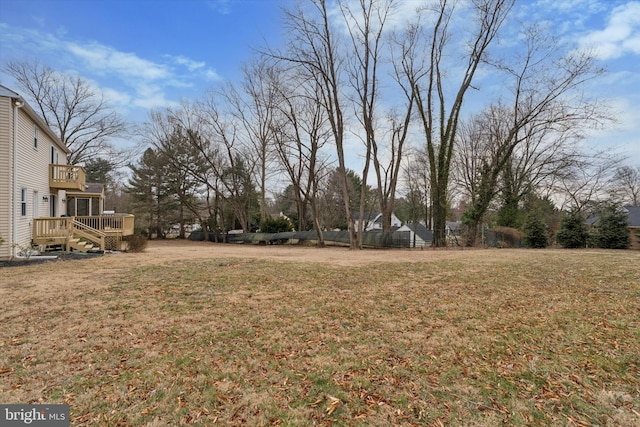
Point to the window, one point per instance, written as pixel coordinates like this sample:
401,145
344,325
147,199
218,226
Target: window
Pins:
82,206
23,201
54,156
35,136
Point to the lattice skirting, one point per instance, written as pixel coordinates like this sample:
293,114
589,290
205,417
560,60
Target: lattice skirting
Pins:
113,243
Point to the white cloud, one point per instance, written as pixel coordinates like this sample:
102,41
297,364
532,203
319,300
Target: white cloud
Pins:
620,37
189,63
104,59
212,75
116,97
127,80
151,96
221,6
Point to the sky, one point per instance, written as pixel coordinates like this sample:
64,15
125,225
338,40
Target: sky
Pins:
146,54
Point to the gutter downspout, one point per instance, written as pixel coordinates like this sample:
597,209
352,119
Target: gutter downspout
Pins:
17,104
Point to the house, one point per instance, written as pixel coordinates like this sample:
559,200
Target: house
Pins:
373,221
453,228
40,194
633,221
419,236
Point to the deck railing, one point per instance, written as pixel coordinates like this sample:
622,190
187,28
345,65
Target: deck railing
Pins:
122,224
57,231
68,177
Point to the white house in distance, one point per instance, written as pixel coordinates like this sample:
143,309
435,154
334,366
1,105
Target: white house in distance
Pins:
419,235
373,221
34,183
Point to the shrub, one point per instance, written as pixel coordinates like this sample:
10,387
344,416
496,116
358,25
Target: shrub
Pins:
573,231
136,243
612,229
507,237
535,232
276,225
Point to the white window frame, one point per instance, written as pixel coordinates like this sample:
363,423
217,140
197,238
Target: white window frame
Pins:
55,156
23,202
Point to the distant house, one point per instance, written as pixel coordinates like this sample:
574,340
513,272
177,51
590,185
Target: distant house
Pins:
633,222
38,187
373,221
419,235
453,228
633,219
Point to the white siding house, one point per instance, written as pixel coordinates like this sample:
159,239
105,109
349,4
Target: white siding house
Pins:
419,235
373,221
27,148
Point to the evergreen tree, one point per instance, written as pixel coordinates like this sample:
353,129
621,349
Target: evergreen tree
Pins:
535,232
573,231
99,170
613,229
184,166
150,192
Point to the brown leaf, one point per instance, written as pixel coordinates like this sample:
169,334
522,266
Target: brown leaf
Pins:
333,405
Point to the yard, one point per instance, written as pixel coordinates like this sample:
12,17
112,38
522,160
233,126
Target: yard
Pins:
203,333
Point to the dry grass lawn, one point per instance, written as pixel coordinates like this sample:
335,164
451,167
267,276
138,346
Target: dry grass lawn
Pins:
201,333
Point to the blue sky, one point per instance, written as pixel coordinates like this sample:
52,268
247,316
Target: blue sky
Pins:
152,53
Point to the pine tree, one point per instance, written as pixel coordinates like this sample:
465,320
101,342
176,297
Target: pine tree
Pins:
535,232
149,190
573,231
613,229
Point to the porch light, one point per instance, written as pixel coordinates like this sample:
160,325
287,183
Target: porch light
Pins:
45,198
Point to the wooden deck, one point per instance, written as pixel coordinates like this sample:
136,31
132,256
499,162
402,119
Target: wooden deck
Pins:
68,177
82,232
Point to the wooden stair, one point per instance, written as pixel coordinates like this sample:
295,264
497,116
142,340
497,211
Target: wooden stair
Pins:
79,245
84,238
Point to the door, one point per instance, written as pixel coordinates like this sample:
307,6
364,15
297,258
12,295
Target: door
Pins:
52,205
36,204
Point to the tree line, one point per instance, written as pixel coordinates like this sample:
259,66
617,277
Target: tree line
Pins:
403,96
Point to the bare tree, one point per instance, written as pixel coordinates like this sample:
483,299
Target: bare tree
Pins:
77,112
366,25
530,136
584,186
187,173
302,132
427,77
228,157
626,185
416,174
254,106
313,51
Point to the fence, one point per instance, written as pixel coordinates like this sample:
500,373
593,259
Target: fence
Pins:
371,239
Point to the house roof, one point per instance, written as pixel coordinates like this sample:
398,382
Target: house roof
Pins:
453,225
633,215
422,231
8,93
89,188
